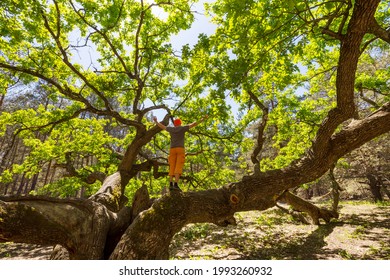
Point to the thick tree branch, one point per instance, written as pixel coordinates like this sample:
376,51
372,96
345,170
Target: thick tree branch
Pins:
362,16
314,212
49,221
111,193
143,137
379,32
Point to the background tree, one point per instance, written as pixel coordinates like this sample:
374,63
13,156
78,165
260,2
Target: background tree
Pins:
369,167
263,54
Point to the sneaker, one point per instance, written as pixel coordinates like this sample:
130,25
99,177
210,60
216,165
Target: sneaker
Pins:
175,187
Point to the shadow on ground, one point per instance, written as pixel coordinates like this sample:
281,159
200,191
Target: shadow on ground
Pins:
362,232
23,251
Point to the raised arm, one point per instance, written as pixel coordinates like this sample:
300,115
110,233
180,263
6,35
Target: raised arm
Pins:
198,122
160,125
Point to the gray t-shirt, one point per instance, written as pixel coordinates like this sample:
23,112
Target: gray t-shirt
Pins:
177,135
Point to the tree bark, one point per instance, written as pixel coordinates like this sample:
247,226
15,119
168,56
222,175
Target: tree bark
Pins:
314,212
375,187
111,192
335,189
80,226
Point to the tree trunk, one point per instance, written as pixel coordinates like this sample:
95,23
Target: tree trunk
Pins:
385,184
375,187
2,96
335,189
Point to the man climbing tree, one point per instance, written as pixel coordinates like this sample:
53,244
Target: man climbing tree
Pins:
177,155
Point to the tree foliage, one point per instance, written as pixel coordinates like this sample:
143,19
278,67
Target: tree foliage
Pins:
105,67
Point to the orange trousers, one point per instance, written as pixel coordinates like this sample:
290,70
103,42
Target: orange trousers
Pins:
176,160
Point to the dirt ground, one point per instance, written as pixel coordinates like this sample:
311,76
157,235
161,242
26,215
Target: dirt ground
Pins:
361,232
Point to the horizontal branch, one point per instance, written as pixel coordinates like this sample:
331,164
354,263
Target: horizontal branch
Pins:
51,221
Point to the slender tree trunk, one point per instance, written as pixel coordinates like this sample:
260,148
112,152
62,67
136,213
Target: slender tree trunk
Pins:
47,173
375,187
2,96
34,181
335,189
21,185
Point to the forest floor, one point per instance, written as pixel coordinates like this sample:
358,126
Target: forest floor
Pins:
361,232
